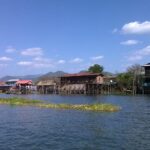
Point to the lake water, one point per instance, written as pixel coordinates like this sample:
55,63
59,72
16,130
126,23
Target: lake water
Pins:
29,128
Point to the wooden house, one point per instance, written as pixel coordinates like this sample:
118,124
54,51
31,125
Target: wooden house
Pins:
49,86
81,83
109,85
4,87
146,81
24,86
12,82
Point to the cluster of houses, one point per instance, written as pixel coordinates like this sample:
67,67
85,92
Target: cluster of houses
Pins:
80,83
16,86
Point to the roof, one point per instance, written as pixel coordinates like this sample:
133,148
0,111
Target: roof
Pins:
24,82
109,77
82,74
46,82
12,80
146,65
2,83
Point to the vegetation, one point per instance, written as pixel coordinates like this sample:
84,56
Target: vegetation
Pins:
131,79
96,68
37,103
124,80
19,101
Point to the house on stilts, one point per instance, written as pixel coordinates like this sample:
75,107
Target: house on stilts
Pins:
146,79
81,83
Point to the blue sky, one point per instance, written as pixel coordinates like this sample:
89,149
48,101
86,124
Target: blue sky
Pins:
38,36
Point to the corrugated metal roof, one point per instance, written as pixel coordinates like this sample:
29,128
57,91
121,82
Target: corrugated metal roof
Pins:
146,65
13,80
82,74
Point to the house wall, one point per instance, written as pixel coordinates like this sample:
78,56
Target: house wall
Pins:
146,84
99,80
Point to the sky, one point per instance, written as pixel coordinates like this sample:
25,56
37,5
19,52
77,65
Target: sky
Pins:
39,36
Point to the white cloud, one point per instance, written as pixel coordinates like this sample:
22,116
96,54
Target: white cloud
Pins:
97,58
140,54
25,63
42,59
32,52
76,60
136,27
43,65
10,49
130,42
61,61
37,62
4,58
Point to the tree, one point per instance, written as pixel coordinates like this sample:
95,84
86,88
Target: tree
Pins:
134,69
96,68
124,80
131,79
136,73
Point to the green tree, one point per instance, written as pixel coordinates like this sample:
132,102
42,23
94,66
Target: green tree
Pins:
96,68
124,80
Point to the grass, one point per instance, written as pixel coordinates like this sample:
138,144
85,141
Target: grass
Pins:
18,101
41,104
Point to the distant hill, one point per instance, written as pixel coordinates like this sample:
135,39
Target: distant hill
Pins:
27,77
55,74
108,73
52,75
35,77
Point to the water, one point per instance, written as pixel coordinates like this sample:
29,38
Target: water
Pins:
28,128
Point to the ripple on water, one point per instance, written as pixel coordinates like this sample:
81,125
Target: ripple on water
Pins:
23,128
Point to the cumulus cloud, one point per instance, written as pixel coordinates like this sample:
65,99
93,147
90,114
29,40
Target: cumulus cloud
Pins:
140,54
37,62
25,63
32,52
97,58
61,61
42,59
130,42
76,60
4,58
136,27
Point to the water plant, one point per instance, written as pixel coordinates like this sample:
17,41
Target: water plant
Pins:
37,103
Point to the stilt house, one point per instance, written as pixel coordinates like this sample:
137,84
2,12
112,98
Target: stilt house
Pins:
81,83
146,81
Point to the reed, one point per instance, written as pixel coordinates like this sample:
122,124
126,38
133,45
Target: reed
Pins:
37,103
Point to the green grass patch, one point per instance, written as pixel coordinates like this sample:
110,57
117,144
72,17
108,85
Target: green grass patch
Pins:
18,101
37,103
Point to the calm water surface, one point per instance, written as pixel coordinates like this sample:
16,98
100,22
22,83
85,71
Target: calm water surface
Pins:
28,128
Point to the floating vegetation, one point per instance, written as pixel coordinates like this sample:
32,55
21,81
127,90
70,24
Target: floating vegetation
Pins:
19,101
38,103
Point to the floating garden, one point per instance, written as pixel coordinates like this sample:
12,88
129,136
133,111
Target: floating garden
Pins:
38,103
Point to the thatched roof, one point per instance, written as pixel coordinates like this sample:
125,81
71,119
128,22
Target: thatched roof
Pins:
46,82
